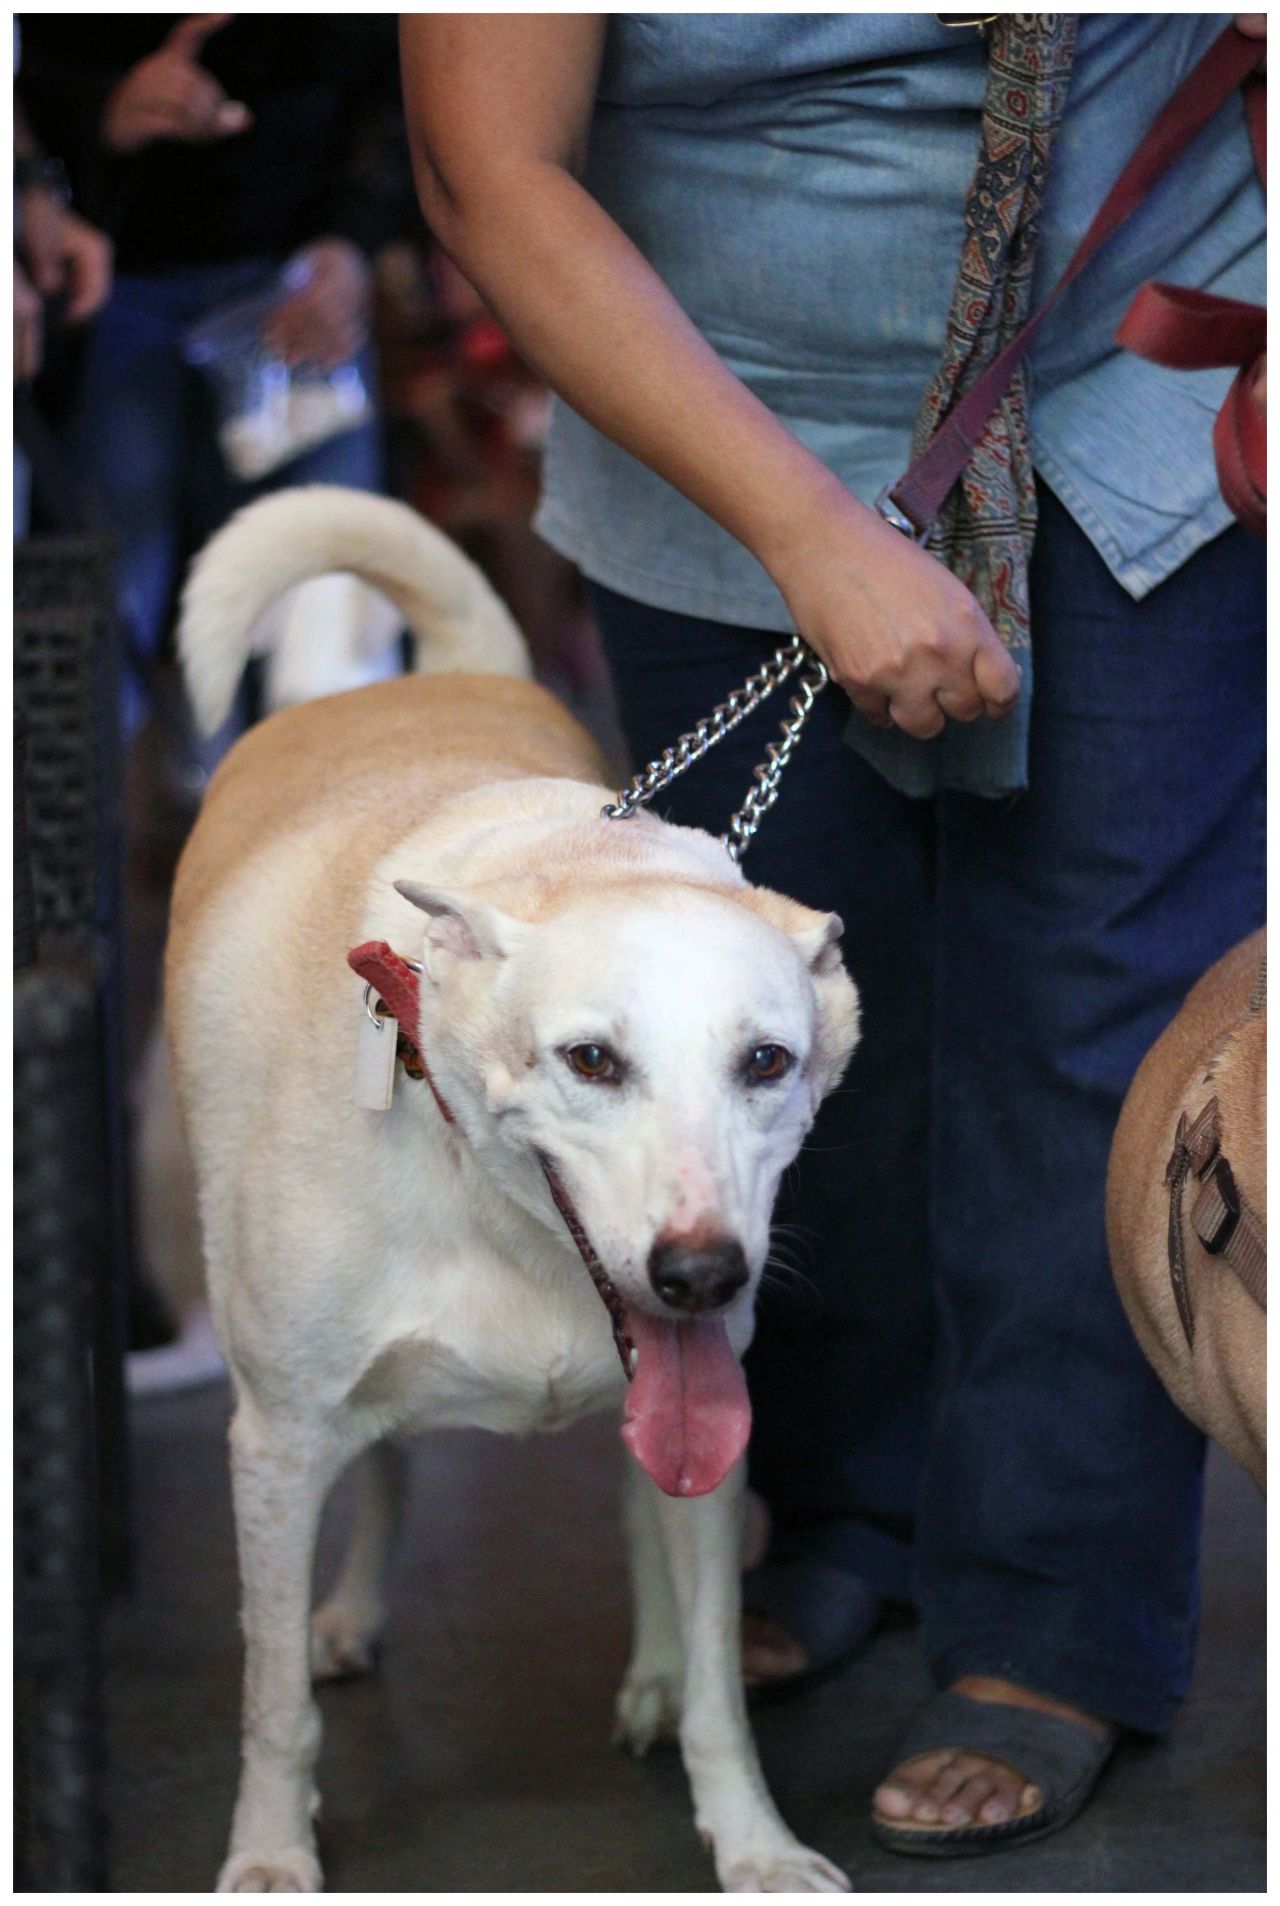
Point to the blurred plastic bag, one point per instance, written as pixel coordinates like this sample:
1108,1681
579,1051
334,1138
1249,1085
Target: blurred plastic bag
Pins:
270,411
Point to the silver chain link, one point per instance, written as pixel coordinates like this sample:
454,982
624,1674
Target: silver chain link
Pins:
690,748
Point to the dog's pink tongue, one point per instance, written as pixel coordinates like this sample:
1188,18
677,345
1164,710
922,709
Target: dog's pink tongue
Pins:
687,1417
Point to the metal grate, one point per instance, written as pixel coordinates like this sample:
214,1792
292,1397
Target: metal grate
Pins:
53,691
61,1203
64,693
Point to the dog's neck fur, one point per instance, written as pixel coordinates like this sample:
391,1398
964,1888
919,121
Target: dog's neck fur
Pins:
549,828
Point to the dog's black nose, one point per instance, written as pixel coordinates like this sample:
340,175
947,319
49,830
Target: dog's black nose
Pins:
697,1277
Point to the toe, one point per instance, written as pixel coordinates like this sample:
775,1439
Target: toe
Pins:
947,1782
898,1796
964,1808
1009,1797
955,1789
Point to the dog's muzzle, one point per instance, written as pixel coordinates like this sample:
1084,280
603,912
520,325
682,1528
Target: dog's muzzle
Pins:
696,1278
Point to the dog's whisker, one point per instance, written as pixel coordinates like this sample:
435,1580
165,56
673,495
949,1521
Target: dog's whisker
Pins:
779,1276
793,1230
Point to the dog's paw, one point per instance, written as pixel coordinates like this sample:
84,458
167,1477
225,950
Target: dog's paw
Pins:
781,1868
295,1870
647,1713
344,1642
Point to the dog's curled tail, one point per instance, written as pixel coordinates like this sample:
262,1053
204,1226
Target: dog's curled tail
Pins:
457,622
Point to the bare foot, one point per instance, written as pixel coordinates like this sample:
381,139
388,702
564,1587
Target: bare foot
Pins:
955,1789
769,1653
802,1615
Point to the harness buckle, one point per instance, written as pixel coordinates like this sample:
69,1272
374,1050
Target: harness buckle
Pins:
897,518
1216,1218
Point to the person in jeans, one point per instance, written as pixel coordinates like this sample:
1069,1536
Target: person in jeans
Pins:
730,243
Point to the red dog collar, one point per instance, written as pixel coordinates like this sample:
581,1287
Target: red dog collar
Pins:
395,982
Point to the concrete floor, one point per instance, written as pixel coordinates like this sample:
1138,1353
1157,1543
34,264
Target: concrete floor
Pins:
478,1757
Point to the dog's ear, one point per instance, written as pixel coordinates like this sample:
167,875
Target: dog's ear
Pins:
815,935
819,942
462,924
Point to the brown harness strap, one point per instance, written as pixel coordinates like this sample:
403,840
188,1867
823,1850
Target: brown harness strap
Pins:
1224,1221
1182,1162
1228,1226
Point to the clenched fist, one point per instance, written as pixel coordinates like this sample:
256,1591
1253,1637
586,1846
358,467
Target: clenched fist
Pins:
908,643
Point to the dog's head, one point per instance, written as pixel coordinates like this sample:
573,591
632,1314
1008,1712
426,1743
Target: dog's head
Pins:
648,1054
664,1047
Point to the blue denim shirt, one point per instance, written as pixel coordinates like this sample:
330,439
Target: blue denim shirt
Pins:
799,182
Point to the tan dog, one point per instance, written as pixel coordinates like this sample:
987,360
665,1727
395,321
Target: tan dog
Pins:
612,1047
1213,1055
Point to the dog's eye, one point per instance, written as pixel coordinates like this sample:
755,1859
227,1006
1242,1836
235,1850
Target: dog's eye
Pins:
593,1062
767,1062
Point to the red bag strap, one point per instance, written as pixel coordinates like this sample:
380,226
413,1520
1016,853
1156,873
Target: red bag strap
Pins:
1240,452
915,500
1189,330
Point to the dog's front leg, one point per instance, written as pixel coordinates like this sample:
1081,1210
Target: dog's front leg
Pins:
281,1470
648,1705
754,1851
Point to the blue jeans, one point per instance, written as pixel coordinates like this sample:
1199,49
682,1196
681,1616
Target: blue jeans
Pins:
146,443
949,1400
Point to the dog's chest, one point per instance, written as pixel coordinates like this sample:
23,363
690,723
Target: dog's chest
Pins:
503,1374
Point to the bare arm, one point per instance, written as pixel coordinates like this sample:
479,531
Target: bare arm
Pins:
499,108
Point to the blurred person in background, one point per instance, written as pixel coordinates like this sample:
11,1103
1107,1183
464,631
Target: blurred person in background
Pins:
58,254
227,156
61,265
218,150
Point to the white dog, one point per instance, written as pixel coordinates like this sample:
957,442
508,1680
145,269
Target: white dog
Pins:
610,1048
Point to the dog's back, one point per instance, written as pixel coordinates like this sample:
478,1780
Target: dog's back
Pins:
331,761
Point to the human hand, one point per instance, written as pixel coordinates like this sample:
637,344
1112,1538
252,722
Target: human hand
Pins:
28,327
169,95
88,256
906,641
64,253
40,220
326,320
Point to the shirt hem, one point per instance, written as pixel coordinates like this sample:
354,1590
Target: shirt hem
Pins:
659,592
1136,575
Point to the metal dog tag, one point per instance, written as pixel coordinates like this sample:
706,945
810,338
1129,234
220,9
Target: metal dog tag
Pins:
375,1059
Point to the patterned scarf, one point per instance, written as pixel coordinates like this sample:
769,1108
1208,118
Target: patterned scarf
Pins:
986,529
987,526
